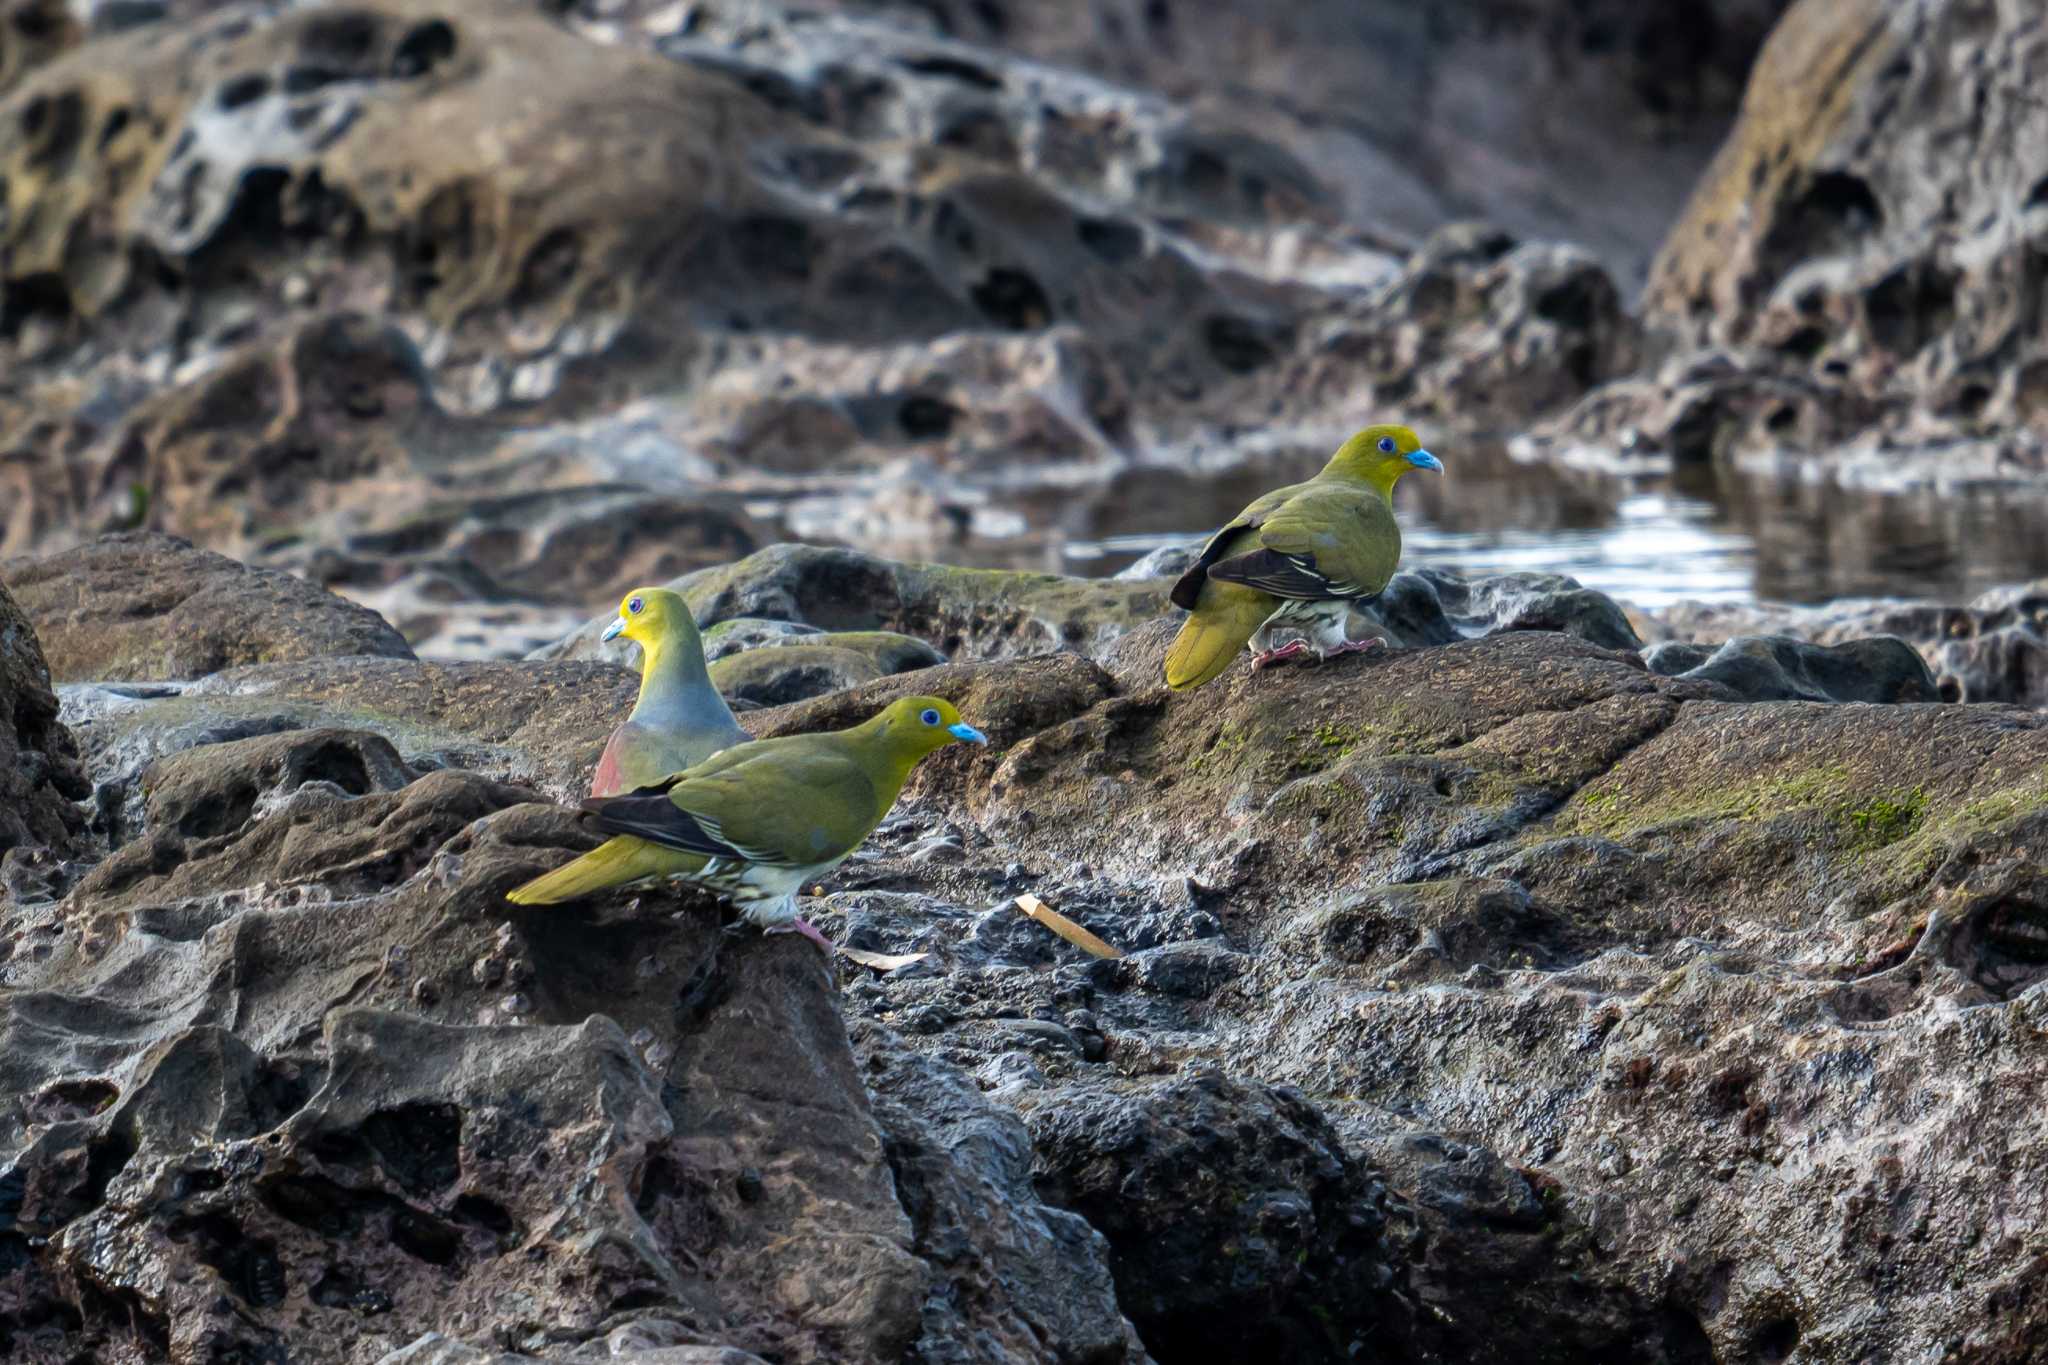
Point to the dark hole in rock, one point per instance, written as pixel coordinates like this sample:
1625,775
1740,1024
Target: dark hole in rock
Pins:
1972,399
952,68
217,813
1112,240
1949,688
248,1264
1012,299
338,1149
1783,417
1728,1092
775,246
241,90
2004,945
638,1299
304,80
992,17
338,1287
1356,934
548,268
315,1203
1774,1341
419,1144
1844,198
1804,343
116,123
257,213
56,126
1572,304
1236,344
2038,195
425,47
424,1237
926,419
76,1099
485,1213
97,1305
106,1156
337,763
190,1183
282,1092
339,37
35,22
658,1181
14,1253
1204,172
1909,307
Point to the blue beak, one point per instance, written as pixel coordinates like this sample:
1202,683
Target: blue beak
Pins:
1422,459
614,630
967,732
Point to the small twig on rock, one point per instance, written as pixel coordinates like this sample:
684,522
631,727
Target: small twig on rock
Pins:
1064,927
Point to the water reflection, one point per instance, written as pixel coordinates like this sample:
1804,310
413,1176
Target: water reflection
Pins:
1709,534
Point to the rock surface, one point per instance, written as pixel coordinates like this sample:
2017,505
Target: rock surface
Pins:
325,291
1477,987
1852,282
152,608
1995,648
40,774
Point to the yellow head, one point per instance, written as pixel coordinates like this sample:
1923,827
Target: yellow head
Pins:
911,727
652,618
1379,456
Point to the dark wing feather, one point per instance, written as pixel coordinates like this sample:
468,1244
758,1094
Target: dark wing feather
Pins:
1290,576
657,820
1187,589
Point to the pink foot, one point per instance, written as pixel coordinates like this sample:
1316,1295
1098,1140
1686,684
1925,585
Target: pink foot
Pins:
800,925
1291,650
1365,646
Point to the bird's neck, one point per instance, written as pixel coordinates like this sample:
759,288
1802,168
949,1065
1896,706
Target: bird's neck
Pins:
669,667
1379,478
887,766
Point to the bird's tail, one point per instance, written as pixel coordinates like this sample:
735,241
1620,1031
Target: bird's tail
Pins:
1224,617
612,863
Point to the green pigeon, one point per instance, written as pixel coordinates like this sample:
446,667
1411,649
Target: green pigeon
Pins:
1298,563
757,822
679,719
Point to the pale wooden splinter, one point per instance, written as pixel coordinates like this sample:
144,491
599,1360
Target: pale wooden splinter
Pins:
1064,927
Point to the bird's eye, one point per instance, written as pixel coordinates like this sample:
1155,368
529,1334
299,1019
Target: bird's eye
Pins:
634,606
1386,445
930,717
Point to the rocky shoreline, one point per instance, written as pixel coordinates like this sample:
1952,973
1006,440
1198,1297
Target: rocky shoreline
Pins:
1513,984
1567,981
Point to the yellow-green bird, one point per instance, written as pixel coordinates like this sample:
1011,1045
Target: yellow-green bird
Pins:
757,822
679,719
1298,561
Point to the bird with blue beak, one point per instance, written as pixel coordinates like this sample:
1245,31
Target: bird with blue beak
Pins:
1288,575
679,718
758,822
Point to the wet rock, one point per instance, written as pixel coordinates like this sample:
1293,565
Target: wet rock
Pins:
801,666
1016,1278
1822,313
40,774
147,607
1235,1219
1994,649
1775,668
978,613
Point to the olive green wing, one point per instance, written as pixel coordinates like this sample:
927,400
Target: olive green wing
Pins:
796,802
1327,540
